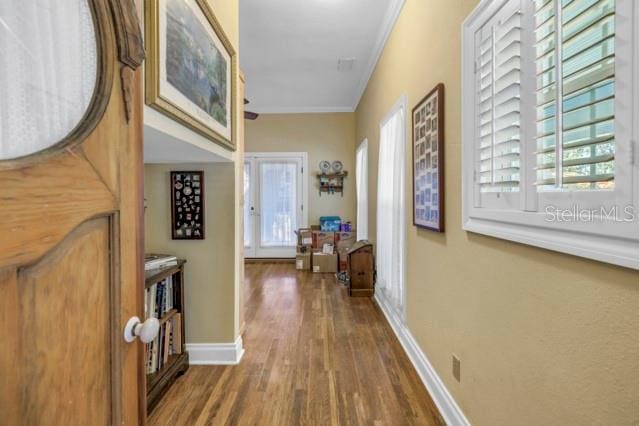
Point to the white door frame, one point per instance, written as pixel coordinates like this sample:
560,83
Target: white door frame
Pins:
253,200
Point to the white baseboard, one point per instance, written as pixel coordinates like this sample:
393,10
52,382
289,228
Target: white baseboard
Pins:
215,353
448,408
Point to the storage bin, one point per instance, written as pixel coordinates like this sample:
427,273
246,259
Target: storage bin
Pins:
330,223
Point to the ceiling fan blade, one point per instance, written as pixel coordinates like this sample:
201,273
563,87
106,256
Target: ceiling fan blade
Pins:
248,115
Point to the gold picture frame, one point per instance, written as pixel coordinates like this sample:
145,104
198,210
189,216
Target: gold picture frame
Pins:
224,135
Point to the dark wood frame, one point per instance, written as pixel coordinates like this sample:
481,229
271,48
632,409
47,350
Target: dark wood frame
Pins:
174,207
439,90
158,383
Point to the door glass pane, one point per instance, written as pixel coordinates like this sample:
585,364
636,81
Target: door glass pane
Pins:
247,205
48,63
278,201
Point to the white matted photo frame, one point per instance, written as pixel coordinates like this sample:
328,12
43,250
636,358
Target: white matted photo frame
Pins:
191,68
428,161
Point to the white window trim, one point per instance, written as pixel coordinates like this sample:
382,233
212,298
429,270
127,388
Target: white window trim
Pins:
363,231
607,241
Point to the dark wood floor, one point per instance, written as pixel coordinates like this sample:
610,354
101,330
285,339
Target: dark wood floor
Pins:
313,356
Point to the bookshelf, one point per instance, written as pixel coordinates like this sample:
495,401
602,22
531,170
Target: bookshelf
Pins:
166,357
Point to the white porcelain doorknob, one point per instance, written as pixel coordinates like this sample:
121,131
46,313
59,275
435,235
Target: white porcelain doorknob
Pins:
147,330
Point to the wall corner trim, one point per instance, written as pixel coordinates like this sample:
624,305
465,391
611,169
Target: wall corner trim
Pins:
215,353
448,408
303,109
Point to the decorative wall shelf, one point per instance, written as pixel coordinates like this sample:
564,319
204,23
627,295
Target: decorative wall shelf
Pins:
331,183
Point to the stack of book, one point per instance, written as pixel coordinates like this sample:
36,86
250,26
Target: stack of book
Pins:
159,298
157,261
168,343
159,303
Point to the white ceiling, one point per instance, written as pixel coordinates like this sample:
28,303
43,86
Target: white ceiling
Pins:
289,51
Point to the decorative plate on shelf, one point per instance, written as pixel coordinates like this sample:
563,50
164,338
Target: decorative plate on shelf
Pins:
325,166
337,166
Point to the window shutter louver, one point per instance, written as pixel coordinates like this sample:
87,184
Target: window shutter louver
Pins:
549,141
498,73
575,65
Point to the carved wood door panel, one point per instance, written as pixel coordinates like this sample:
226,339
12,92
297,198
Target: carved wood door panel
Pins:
71,244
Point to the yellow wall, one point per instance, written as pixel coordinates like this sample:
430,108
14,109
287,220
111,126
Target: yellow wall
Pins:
325,137
544,338
227,13
209,271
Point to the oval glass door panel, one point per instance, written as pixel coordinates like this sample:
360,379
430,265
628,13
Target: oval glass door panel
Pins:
48,71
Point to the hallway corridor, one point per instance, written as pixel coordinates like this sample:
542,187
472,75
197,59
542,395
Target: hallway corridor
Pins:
313,356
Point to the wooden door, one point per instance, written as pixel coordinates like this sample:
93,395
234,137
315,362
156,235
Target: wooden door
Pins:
71,247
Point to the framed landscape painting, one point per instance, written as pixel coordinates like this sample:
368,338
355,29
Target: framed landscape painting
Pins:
191,67
428,161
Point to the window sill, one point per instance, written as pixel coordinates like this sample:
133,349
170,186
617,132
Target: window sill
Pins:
614,250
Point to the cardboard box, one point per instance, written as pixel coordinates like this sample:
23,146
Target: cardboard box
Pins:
342,255
303,261
305,237
327,249
345,240
320,238
324,263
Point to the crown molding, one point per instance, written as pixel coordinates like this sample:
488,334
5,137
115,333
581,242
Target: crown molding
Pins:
302,110
392,14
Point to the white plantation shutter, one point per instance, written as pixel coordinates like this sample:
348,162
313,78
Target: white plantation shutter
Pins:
498,73
551,138
575,65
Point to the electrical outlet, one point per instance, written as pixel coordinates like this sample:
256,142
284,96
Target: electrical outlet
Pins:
456,368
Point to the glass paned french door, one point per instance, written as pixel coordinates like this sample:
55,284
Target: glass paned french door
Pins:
273,204
278,202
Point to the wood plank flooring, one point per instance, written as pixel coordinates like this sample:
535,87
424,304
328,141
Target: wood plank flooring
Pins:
313,356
